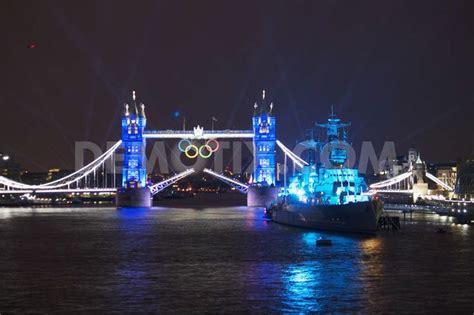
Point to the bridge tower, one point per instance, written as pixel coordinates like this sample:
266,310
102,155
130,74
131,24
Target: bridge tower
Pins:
134,192
264,144
264,148
420,187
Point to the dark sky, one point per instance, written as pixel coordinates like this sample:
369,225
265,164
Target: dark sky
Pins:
399,70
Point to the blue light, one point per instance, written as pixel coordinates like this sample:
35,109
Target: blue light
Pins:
303,289
264,128
329,183
177,114
134,163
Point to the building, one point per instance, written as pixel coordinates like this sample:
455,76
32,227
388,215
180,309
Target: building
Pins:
445,172
56,173
400,165
9,167
34,178
465,179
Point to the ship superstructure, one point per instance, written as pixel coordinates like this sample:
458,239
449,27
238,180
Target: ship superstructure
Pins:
329,182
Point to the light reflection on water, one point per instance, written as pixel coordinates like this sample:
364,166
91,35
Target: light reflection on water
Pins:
303,287
224,260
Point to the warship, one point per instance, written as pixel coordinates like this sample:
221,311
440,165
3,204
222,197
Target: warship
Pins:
328,195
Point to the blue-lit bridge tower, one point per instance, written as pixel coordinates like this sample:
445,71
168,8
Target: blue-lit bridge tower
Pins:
133,190
264,144
264,190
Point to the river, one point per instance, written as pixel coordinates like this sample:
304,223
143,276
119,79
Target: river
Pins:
226,259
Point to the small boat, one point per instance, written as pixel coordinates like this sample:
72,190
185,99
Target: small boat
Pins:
268,213
323,242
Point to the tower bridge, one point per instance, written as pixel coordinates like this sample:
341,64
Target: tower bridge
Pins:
134,189
411,182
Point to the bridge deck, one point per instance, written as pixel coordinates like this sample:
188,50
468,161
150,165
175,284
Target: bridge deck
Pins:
190,134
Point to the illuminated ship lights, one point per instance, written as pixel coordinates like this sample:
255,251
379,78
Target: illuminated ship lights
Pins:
328,183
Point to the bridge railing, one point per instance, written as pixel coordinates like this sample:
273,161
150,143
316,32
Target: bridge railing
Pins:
156,188
229,181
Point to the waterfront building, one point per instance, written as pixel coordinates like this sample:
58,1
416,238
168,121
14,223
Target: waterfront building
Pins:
9,167
56,173
446,172
399,165
465,179
34,178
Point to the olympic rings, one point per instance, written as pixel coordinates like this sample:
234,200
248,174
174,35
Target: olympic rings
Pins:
198,151
189,148
181,141
215,141
208,148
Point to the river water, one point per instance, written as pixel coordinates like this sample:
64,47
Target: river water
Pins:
225,259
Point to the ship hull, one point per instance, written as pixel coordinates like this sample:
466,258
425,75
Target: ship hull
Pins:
360,217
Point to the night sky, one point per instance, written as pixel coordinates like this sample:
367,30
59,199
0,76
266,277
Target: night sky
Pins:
399,70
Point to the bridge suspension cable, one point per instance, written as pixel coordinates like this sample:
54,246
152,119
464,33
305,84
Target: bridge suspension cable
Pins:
439,182
229,181
296,159
391,181
408,175
73,178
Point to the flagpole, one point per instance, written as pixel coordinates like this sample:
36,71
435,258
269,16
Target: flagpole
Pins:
213,119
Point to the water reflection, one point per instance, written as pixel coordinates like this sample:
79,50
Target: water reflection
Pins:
327,277
132,213
310,238
302,286
133,275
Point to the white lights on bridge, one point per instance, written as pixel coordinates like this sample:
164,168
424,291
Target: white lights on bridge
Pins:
202,134
392,181
296,159
63,182
386,185
232,182
156,188
439,182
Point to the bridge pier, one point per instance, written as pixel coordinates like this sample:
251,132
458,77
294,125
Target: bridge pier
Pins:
419,190
261,196
133,197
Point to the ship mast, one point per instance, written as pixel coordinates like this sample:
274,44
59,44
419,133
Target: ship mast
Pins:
336,138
